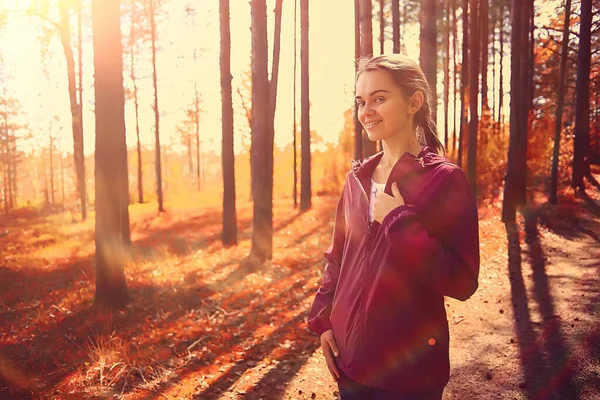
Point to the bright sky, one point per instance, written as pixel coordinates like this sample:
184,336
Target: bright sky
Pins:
44,99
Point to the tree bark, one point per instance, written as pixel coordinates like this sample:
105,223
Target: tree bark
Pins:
76,121
366,50
396,25
381,27
157,152
428,49
132,41
454,75
358,130
295,125
111,178
582,102
306,187
473,94
510,201
463,80
446,70
227,154
560,101
260,155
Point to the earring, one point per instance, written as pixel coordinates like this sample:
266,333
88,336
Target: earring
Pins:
420,133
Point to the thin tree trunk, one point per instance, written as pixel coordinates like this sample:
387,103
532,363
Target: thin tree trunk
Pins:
510,201
197,126
157,161
473,92
260,155
463,80
136,104
454,75
227,155
428,49
446,70
381,27
62,181
65,35
295,127
501,73
83,189
560,101
52,201
366,50
358,131
484,35
582,102
306,188
493,51
111,181
396,25
526,84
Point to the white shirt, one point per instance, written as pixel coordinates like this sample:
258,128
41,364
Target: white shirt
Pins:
375,188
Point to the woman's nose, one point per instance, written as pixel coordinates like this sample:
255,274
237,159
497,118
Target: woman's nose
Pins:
367,110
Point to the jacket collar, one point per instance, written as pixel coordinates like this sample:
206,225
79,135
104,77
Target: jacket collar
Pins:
363,169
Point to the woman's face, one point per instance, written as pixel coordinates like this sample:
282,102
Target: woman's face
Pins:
383,110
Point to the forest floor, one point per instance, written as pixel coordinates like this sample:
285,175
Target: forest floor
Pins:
201,326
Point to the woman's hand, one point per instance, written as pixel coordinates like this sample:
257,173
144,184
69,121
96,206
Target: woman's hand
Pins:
330,350
385,203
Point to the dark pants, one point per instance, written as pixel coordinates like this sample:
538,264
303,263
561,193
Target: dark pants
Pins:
351,390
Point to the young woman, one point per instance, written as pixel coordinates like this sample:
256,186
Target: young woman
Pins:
405,236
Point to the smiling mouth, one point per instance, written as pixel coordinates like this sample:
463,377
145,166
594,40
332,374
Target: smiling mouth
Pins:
372,124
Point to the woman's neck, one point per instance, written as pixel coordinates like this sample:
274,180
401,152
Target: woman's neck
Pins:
394,149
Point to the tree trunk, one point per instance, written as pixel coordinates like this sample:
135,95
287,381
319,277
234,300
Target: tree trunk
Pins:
111,156
52,201
501,72
295,126
454,75
484,37
306,187
560,101
358,130
526,96
464,76
62,181
65,35
227,155
428,48
473,93
132,41
509,204
582,102
157,161
446,70
381,27
396,25
197,123
262,228
366,50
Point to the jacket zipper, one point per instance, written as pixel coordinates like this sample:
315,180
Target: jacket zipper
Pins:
368,247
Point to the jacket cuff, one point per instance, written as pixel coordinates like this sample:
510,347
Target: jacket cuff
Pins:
320,325
404,210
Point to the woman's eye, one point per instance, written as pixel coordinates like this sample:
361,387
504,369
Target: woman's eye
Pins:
360,103
379,100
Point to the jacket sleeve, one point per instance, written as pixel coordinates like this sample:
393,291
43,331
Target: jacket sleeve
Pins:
318,318
445,258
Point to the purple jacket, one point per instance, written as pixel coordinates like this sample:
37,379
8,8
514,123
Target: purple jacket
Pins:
384,284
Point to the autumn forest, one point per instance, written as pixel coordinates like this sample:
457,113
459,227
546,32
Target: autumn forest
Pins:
170,171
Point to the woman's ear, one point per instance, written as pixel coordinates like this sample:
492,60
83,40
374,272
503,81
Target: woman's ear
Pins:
416,101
